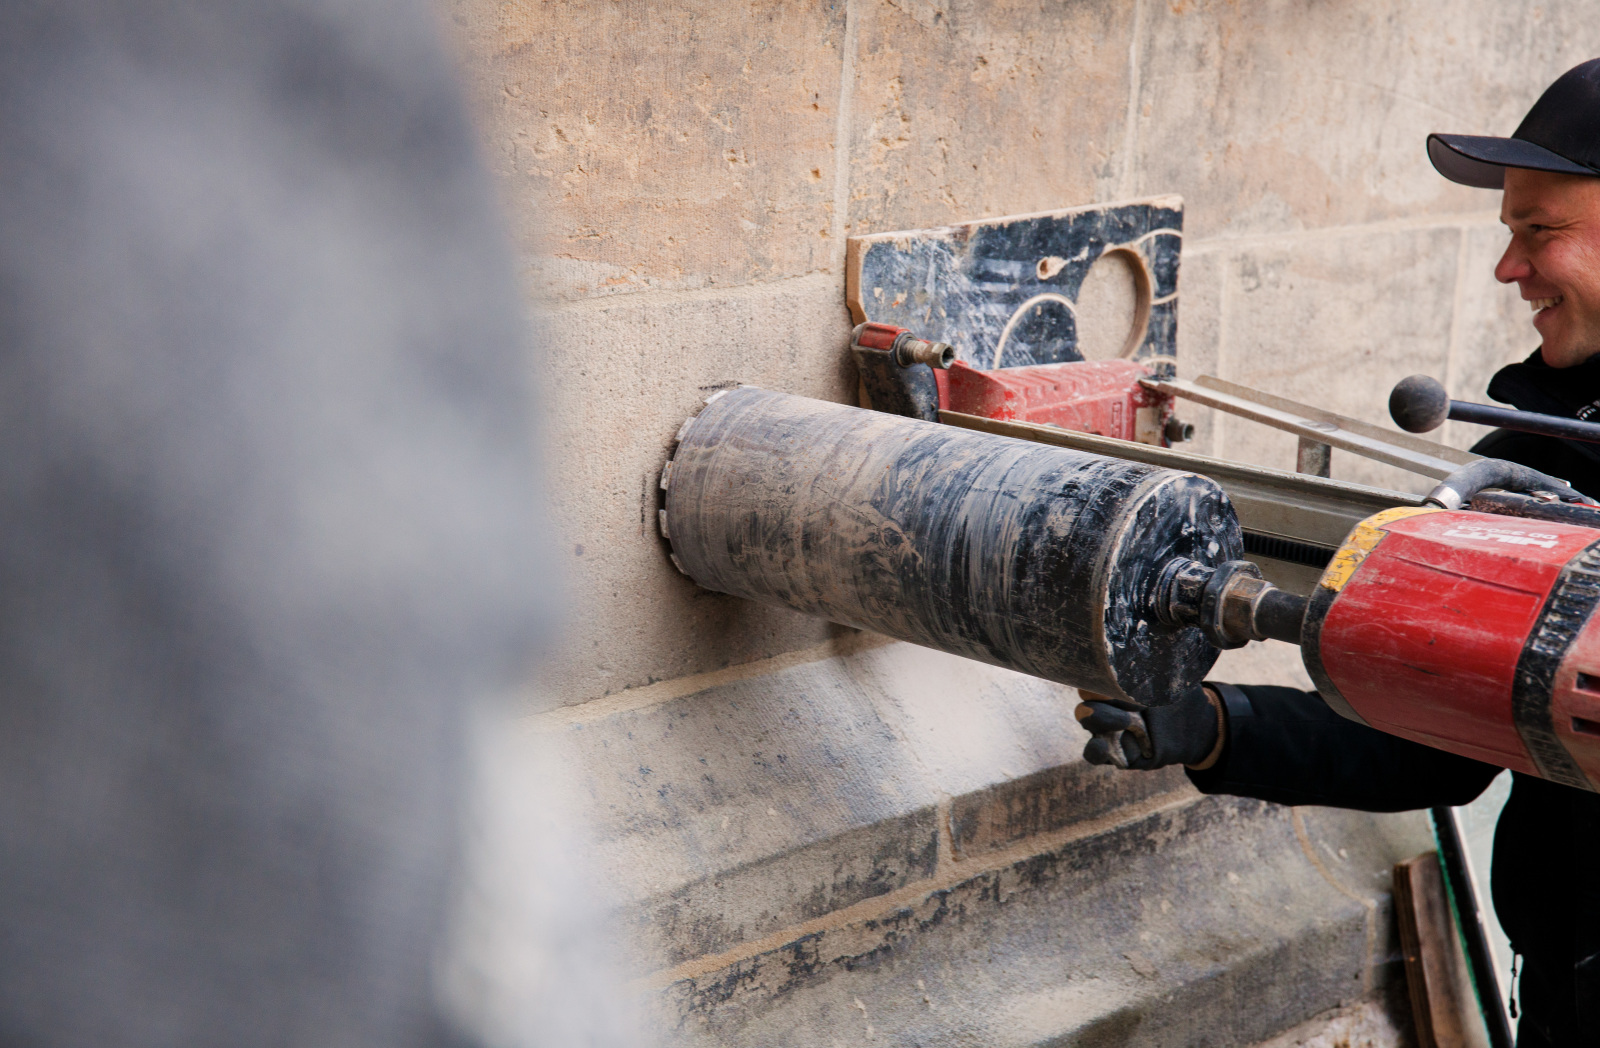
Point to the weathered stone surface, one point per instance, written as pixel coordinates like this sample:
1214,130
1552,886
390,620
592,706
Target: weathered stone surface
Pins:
1200,335
967,725
1212,921
1045,801
1370,1024
1269,662
968,109
660,145
622,375
722,911
1286,115
931,862
730,813
1304,318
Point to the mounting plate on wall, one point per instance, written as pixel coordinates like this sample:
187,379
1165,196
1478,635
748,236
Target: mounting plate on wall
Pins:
1005,291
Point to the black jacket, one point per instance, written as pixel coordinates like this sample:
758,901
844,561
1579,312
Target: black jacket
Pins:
1291,748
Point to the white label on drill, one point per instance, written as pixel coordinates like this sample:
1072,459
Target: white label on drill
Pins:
1514,536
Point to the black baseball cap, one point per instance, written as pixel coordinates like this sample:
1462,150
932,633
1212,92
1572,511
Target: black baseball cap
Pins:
1560,133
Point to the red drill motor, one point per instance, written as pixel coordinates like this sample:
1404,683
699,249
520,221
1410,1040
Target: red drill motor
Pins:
1469,632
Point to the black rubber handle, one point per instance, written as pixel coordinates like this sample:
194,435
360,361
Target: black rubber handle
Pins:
1419,404
1525,421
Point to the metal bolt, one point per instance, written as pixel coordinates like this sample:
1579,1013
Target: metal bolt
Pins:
910,350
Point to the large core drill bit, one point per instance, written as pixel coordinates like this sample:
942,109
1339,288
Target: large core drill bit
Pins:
1036,558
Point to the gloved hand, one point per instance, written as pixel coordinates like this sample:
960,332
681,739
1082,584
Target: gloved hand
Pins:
1188,731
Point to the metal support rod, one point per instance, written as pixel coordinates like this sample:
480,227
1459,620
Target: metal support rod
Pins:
1327,427
1313,457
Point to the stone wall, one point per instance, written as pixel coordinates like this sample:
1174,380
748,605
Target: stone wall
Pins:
820,837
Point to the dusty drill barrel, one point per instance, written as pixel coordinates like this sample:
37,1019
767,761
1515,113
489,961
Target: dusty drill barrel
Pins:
1022,555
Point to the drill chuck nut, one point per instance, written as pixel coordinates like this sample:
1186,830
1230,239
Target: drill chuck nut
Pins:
1227,605
1231,603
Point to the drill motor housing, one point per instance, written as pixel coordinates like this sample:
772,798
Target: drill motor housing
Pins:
1469,632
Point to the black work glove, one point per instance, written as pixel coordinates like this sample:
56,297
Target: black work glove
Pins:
1188,731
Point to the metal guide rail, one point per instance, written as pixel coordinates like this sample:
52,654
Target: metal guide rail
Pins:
1325,427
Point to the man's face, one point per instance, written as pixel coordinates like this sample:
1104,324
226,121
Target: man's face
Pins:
1554,258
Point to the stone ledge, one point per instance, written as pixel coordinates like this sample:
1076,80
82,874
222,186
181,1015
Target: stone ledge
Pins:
735,906
728,814
1049,800
1205,922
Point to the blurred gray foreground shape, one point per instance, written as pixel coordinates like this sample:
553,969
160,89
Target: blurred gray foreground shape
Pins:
268,520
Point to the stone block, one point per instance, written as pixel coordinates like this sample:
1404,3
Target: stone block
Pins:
1277,116
965,724
732,812
721,911
659,145
1383,1023
621,376
974,110
1200,336
1049,800
1209,921
1335,321
728,814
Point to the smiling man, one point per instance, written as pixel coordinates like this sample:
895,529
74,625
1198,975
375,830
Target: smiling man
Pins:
1549,172
1554,258
1285,745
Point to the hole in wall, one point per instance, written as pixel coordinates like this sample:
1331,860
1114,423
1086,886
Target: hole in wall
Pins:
1113,307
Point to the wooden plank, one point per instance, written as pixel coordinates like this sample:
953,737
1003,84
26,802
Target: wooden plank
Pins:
1442,1003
